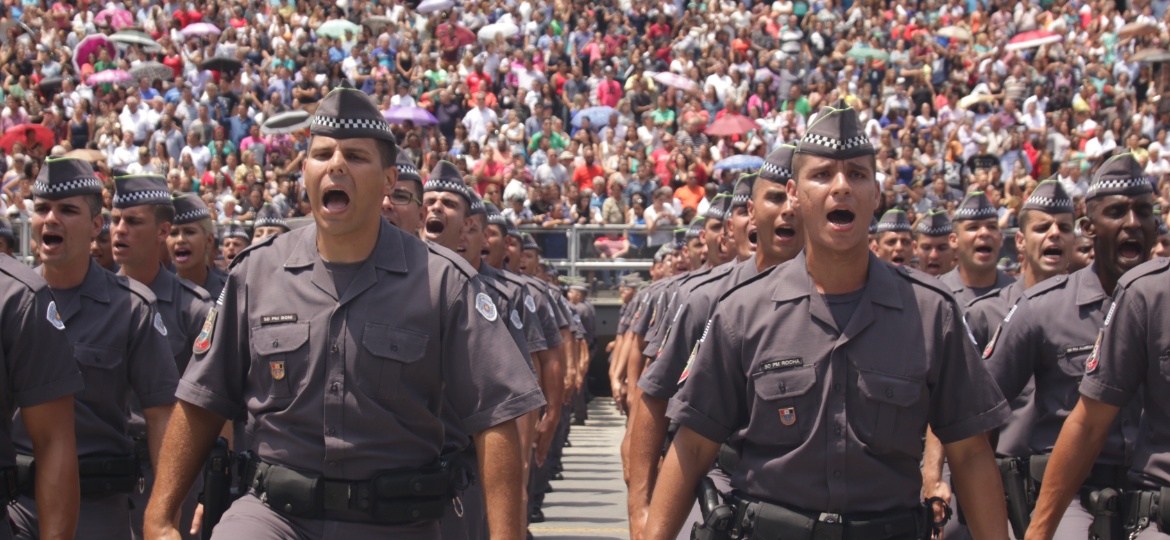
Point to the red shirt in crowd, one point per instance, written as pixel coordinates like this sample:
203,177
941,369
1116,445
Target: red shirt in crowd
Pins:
583,175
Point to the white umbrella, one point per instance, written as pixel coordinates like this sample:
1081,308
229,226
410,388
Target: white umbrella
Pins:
1034,38
489,32
432,6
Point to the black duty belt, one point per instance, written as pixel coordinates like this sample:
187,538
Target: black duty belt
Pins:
762,520
1142,509
99,475
1100,476
390,497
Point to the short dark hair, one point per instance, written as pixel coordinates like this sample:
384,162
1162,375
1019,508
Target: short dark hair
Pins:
94,202
164,213
388,152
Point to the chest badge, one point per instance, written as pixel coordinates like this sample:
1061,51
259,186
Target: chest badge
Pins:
277,370
788,416
485,307
54,317
203,342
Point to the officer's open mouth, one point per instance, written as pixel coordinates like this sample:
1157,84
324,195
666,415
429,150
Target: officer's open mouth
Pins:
785,233
335,200
753,236
1129,249
1053,252
841,217
897,259
51,240
435,226
182,255
983,250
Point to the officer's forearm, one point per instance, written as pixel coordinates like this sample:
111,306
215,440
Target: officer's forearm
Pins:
635,363
1080,441
189,436
552,377
977,481
647,435
932,461
50,428
499,466
157,419
690,457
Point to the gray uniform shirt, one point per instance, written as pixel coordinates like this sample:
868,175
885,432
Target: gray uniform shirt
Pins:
536,301
519,319
831,419
36,359
648,315
1049,336
120,350
675,298
1134,352
183,306
216,279
354,385
984,316
964,294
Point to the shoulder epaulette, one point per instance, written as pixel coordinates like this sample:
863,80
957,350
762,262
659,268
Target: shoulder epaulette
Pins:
926,280
455,259
137,288
1052,283
198,291
22,273
985,296
1156,266
767,272
266,241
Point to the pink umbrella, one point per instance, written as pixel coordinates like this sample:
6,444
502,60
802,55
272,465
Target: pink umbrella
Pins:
117,18
675,80
200,29
1035,38
109,76
92,44
731,124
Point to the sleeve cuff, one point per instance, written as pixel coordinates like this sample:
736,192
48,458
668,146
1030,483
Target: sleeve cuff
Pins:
201,396
1095,389
974,425
165,396
514,407
57,389
696,421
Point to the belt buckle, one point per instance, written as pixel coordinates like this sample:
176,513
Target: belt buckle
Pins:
829,526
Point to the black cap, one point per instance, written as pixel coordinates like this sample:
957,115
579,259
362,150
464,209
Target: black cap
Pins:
235,230
1120,175
873,223
894,220
446,177
742,193
476,207
189,208
269,216
975,206
348,113
718,207
61,178
777,166
680,238
510,229
105,221
837,133
494,216
6,231
935,223
138,190
528,242
695,228
1049,197
406,169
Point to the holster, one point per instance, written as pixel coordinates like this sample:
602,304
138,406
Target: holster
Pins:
1105,506
98,475
1140,509
728,458
1020,491
217,486
717,516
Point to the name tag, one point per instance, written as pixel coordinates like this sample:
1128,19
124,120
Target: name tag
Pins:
781,364
1078,350
278,319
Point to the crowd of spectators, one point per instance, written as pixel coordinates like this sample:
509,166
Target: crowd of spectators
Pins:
951,92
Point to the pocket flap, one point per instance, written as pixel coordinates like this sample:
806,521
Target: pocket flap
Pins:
893,389
394,343
97,357
785,383
279,339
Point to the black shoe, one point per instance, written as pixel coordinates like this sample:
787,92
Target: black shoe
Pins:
558,476
578,422
568,443
536,516
548,490
528,535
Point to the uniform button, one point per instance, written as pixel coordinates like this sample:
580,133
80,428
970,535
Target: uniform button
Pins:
334,348
275,344
783,388
836,387
394,347
836,474
333,388
889,392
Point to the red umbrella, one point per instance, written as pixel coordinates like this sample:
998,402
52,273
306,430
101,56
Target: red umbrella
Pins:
1035,38
19,134
731,124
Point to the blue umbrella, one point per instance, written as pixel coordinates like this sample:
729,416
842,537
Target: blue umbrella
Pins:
598,116
740,162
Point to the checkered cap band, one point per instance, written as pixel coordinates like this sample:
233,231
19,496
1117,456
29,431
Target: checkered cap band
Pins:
269,222
192,216
496,218
351,123
438,184
975,213
106,224
529,242
834,144
773,172
236,231
1049,204
739,200
896,226
404,168
6,230
935,231
79,185
510,229
139,198
1118,186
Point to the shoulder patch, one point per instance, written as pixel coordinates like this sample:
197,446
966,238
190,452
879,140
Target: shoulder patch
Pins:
1094,359
516,321
203,341
991,342
1050,284
485,307
158,324
530,303
1155,266
53,316
257,244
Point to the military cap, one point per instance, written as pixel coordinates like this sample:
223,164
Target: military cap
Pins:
777,166
631,280
1120,175
189,208
575,283
446,177
475,208
742,193
974,207
494,216
1049,197
837,133
873,224
140,189
680,237
269,216
662,252
348,113
550,269
6,231
406,169
1078,227
719,207
61,178
235,230
695,229
528,242
105,221
934,224
510,229
894,220
1162,228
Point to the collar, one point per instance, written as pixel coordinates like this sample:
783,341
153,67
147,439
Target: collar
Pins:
95,285
388,253
164,285
1088,286
881,284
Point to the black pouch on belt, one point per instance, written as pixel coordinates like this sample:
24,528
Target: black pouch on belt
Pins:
1104,505
424,483
292,493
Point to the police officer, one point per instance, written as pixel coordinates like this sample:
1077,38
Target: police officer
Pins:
1082,254
585,314
403,207
827,370
346,393
977,240
7,238
1162,246
141,220
1128,367
102,249
1057,351
932,243
41,377
235,239
894,243
627,291
118,345
268,222
764,199
191,244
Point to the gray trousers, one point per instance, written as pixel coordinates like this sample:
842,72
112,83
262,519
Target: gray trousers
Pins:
472,525
1075,523
99,518
250,519
538,477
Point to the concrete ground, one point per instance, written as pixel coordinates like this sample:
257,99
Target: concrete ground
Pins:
591,501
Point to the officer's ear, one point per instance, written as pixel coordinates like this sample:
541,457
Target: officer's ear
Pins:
793,198
98,222
391,173
1087,228
953,239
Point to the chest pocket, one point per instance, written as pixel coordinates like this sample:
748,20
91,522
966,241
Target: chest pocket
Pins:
101,369
886,418
283,354
785,408
386,352
1072,360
